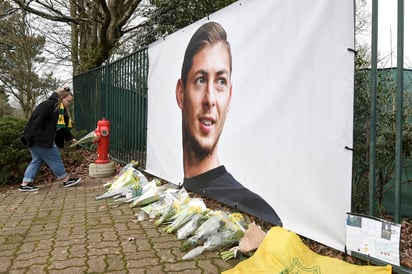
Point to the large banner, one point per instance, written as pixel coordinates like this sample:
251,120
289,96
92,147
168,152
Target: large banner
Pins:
291,115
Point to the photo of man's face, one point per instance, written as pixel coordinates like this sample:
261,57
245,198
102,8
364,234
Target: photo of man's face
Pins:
203,94
205,99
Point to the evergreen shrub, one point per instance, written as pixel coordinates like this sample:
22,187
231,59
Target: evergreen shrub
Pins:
13,156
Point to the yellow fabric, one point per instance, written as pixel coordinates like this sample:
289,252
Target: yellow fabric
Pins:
60,121
284,252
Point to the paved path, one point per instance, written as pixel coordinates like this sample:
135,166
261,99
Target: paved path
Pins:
66,230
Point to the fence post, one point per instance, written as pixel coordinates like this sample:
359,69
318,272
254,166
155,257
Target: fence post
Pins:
372,141
399,113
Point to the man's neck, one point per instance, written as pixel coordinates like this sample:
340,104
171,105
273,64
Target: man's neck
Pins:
193,167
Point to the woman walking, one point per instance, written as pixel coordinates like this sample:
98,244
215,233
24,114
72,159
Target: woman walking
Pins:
47,129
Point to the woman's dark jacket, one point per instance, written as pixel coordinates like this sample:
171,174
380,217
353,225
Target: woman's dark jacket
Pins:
41,126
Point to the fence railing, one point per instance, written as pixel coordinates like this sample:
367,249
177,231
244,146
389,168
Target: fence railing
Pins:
118,93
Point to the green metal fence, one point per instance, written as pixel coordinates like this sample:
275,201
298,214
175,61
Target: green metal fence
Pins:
118,93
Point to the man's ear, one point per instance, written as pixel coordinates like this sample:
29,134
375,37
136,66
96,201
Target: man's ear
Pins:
179,93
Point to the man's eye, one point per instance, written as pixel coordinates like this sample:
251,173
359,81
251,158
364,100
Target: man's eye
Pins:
222,82
201,80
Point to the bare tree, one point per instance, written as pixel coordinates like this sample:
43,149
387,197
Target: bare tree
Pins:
96,26
362,26
20,61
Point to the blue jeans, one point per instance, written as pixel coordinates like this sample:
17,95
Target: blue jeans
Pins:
50,156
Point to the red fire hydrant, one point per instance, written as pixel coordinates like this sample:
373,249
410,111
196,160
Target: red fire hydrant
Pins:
102,139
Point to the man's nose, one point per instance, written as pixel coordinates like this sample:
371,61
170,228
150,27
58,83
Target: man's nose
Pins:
209,99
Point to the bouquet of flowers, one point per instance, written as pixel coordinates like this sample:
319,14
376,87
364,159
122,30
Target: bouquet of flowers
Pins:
237,221
88,138
220,239
163,204
192,207
130,166
206,229
190,227
250,241
150,194
168,214
225,237
127,181
181,199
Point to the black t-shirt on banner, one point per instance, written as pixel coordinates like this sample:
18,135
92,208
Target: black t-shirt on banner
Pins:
219,185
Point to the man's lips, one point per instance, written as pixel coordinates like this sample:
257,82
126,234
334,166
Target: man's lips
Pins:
207,122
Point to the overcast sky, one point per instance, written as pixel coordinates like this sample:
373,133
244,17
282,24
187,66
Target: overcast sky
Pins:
387,32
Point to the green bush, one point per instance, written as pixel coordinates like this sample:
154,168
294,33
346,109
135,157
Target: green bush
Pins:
13,157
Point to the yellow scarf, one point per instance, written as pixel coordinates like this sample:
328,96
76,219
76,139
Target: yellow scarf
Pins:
60,121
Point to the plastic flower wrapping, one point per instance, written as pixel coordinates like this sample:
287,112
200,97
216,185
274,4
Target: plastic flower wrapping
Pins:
129,182
220,232
171,213
185,213
162,205
88,138
219,240
209,227
190,227
127,176
150,194
197,226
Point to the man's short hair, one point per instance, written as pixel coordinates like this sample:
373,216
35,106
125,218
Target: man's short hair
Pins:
208,34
